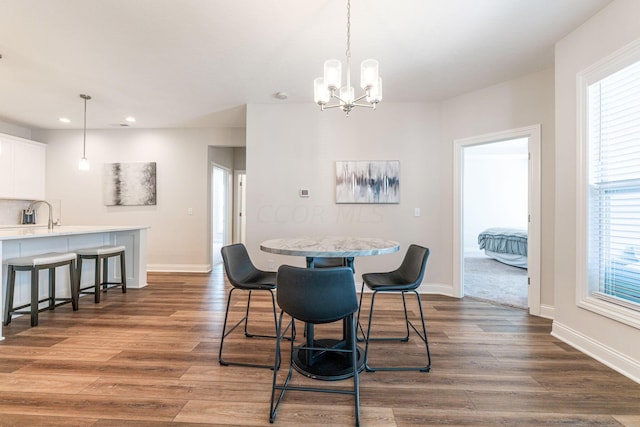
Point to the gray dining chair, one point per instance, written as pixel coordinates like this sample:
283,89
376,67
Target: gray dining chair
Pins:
405,279
244,276
316,296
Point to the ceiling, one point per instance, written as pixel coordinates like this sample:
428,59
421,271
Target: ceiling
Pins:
197,63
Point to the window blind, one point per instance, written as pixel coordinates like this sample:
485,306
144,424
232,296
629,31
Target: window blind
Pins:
614,187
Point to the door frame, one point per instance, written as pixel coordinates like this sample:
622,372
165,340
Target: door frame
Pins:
227,233
240,214
533,240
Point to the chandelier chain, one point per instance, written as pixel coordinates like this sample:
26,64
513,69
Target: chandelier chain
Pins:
348,52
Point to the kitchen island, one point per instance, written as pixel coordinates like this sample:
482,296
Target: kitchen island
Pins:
18,241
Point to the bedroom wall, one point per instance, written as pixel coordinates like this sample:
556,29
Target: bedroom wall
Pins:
612,342
177,241
495,188
516,103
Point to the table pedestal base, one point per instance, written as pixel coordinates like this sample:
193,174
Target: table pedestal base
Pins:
327,366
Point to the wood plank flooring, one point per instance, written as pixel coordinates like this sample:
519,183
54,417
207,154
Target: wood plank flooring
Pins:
150,358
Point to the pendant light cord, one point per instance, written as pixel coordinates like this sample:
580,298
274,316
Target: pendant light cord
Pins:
84,134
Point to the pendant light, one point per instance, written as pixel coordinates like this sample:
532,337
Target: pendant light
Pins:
84,165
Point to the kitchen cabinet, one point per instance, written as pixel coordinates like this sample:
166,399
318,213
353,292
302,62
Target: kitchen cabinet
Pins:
22,168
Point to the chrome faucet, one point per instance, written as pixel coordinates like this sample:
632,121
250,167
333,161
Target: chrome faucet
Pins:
50,223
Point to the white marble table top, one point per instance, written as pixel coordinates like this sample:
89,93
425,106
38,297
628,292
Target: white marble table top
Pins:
330,246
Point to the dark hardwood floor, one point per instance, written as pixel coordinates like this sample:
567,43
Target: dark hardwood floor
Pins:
150,358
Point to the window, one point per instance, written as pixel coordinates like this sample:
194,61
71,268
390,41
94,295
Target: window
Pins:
611,142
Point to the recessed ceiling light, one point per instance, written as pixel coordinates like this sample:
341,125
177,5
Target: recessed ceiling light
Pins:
64,120
131,119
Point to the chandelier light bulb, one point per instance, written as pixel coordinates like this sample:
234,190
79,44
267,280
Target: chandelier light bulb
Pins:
368,73
321,94
332,74
375,93
346,95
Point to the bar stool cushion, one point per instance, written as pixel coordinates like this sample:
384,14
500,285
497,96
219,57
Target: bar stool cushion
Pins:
101,250
41,259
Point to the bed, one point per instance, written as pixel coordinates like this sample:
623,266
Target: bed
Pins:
507,245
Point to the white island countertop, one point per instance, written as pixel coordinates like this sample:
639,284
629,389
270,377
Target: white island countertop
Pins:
25,240
34,231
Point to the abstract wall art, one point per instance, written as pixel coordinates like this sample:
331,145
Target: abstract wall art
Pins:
368,181
130,184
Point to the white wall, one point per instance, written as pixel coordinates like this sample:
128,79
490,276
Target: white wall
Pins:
177,241
517,103
295,146
613,342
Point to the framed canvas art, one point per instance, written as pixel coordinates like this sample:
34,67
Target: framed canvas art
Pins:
130,184
376,181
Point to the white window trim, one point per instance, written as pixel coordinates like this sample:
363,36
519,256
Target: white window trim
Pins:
606,66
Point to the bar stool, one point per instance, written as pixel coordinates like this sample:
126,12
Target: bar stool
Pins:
102,253
48,261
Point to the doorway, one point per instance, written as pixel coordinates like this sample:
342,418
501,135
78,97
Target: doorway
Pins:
221,208
494,220
532,221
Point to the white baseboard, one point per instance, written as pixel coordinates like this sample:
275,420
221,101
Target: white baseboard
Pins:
617,361
179,268
547,311
436,288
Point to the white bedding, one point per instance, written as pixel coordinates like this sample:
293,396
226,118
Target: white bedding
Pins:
510,259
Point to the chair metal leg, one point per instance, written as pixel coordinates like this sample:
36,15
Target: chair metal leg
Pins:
245,320
276,402
422,335
358,324
353,350
356,374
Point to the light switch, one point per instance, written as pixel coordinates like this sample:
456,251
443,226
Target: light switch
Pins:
416,211
189,211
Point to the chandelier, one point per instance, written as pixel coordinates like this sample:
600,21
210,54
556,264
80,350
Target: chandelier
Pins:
330,86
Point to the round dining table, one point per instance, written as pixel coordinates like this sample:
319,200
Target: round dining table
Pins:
328,365
330,247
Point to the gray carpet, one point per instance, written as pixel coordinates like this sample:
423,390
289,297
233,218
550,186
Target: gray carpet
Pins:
491,280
